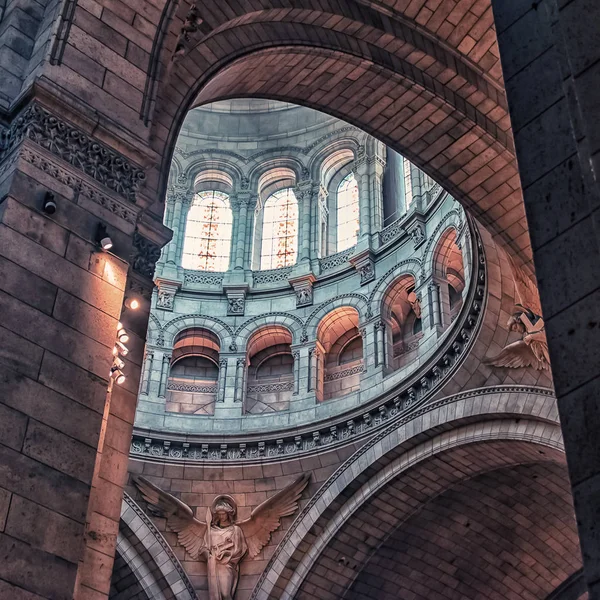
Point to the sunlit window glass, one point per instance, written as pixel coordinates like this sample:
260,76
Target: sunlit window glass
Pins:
347,213
208,233
280,230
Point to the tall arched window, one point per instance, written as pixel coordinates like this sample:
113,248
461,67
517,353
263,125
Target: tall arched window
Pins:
347,213
208,233
280,230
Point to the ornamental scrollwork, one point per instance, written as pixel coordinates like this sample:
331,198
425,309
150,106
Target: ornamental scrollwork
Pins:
144,256
75,147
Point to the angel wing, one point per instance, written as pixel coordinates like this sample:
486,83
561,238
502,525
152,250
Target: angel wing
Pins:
526,292
180,517
265,518
515,355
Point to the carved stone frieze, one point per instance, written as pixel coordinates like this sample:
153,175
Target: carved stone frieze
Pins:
75,147
144,256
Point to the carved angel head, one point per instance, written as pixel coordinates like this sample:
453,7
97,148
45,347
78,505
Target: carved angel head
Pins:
224,510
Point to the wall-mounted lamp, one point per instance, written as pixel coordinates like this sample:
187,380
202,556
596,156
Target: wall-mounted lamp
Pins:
118,375
132,303
121,349
103,238
49,204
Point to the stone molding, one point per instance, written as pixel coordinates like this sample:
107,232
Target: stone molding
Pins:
130,503
75,147
203,277
345,373
268,388
194,389
336,260
271,275
144,255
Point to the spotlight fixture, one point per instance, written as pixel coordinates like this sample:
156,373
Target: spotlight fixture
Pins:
118,363
103,238
49,204
118,375
121,349
132,303
122,336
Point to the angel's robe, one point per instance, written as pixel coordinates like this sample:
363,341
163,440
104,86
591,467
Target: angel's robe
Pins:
227,547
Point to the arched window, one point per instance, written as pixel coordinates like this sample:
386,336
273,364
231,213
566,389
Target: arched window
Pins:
208,233
347,213
280,230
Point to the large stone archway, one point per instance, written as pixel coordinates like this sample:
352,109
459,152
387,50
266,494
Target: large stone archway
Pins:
427,81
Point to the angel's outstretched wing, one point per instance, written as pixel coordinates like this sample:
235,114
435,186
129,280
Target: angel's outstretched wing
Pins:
526,292
265,518
180,517
515,355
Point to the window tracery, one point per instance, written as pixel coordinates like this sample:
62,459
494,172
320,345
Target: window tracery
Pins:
279,246
347,213
207,242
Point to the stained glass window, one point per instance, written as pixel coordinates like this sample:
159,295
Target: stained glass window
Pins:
208,233
347,213
280,230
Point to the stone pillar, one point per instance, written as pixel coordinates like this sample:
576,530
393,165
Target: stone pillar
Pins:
176,226
313,359
435,316
235,228
240,378
305,201
145,384
164,375
377,170
242,229
552,90
296,355
222,384
380,343
361,173
66,430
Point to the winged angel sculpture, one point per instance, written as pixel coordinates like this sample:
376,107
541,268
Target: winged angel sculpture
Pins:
220,539
532,349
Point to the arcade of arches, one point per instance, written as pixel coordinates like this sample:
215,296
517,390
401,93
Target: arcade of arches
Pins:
321,274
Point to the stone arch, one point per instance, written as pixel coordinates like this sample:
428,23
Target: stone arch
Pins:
230,76
246,329
329,147
216,326
154,330
451,220
164,572
210,160
357,301
261,166
525,414
410,266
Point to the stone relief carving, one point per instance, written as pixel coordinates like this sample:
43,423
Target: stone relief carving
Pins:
166,299
106,166
144,256
304,297
220,539
196,389
367,273
417,235
266,388
271,275
235,306
532,349
415,302
344,373
335,260
203,278
190,25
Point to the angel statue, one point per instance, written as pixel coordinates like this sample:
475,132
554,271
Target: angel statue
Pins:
532,349
219,539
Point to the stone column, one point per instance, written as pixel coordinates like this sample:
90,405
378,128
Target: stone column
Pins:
145,384
176,225
433,291
380,343
313,369
66,430
222,384
240,377
361,172
552,90
296,355
240,247
235,228
377,170
164,375
305,201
